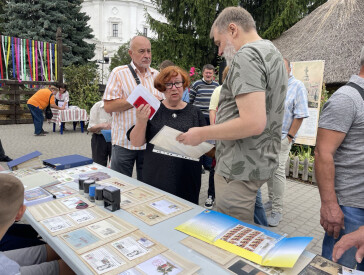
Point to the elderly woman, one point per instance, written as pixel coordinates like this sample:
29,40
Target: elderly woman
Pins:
175,175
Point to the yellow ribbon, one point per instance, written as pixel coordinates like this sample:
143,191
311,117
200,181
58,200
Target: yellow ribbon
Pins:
55,58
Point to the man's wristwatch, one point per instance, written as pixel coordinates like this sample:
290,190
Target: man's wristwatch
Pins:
292,137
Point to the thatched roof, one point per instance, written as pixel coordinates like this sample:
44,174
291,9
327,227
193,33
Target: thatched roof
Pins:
334,32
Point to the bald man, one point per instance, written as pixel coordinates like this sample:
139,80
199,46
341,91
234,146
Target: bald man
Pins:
121,83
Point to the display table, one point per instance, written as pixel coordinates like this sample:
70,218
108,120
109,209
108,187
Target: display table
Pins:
69,115
162,232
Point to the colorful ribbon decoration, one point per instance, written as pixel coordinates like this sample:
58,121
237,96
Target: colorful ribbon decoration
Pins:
35,53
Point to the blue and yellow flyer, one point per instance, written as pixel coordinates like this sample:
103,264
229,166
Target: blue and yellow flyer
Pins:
254,243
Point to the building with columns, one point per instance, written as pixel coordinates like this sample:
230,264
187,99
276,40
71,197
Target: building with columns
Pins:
115,22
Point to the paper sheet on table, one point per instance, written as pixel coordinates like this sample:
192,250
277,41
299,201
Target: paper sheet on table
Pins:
141,91
166,140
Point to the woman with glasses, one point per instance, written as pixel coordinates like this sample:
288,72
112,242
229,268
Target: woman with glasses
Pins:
178,176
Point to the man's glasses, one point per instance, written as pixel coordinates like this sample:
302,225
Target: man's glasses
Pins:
176,84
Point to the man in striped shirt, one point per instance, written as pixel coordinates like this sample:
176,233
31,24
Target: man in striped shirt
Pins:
201,90
200,96
120,85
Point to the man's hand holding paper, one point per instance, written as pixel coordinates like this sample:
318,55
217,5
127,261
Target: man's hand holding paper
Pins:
167,139
191,137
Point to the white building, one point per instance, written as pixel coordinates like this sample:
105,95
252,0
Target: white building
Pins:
115,22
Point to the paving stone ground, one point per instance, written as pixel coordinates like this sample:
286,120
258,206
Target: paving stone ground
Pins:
301,202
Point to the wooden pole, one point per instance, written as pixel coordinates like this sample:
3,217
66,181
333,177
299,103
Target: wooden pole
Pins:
60,53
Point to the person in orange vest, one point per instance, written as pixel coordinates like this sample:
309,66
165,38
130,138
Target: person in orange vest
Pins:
37,103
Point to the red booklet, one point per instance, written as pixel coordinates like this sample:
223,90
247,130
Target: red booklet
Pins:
139,101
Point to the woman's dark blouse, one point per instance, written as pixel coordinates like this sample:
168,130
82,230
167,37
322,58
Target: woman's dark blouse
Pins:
175,175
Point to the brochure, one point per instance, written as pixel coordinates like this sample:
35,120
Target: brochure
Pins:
254,243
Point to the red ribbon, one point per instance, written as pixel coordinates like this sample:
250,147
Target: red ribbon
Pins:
30,65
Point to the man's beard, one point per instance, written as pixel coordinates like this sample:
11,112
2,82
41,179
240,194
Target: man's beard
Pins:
229,53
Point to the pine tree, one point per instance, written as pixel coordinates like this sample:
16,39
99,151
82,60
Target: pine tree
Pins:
185,38
39,20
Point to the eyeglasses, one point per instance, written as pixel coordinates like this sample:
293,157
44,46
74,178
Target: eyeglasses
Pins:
176,84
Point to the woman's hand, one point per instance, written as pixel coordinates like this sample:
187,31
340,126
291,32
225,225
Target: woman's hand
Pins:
142,113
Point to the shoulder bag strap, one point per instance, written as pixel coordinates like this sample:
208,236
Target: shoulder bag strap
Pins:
357,87
134,74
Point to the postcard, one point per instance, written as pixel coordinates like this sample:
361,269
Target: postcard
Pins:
165,206
102,261
56,224
142,194
118,183
159,265
81,216
96,176
242,268
131,271
72,203
104,229
80,238
130,248
322,266
60,190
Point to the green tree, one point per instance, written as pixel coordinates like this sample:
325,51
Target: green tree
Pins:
2,5
185,38
121,57
82,85
39,19
273,17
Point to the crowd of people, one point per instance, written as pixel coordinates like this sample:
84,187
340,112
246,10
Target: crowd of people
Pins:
253,118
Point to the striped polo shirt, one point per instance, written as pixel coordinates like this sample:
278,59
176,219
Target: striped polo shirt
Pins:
200,95
121,83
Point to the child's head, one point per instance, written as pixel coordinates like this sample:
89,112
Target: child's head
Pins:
11,200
